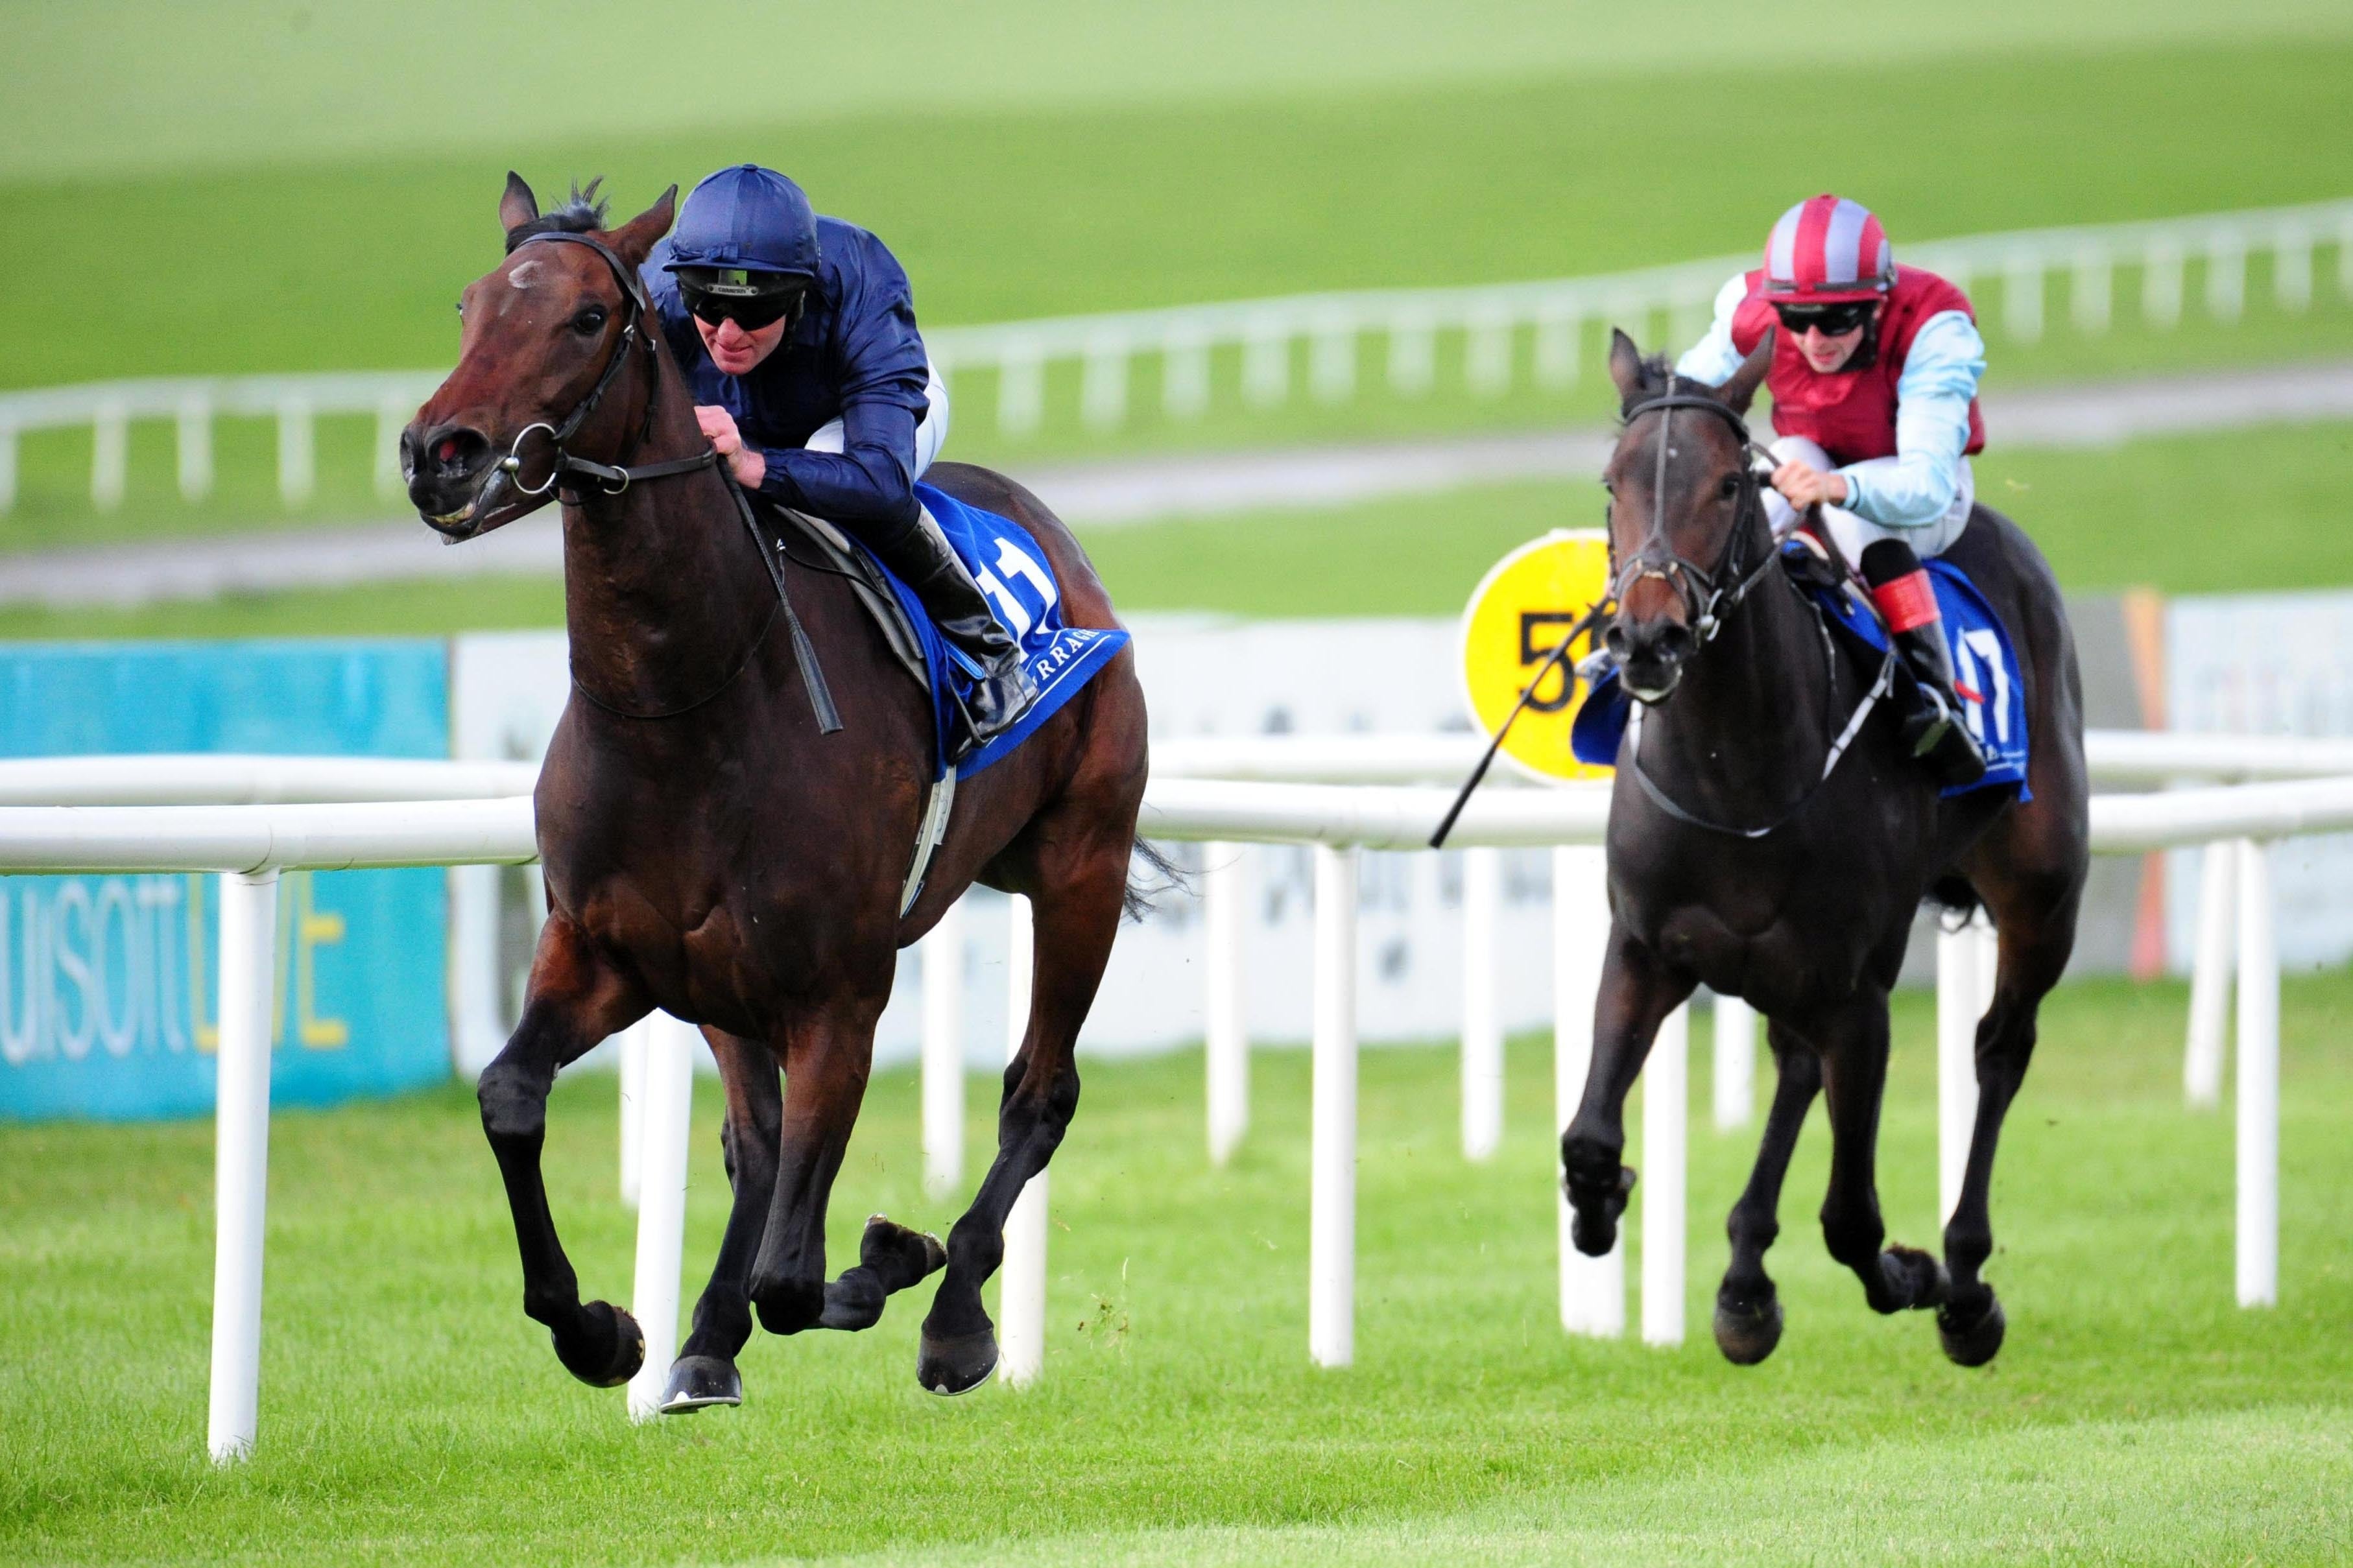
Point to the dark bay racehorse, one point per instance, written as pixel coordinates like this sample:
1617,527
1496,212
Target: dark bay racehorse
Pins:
1735,862
708,852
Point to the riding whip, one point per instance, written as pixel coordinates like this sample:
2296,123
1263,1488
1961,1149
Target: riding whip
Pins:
1584,623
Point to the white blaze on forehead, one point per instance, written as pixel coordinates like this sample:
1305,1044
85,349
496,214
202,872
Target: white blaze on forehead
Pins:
521,276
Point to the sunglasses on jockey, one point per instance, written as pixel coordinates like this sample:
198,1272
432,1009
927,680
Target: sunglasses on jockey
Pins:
716,295
1832,320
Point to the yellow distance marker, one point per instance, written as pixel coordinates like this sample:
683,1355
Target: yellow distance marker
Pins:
1514,622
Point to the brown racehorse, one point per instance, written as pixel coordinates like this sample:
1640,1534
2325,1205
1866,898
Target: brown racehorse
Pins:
1737,862
708,851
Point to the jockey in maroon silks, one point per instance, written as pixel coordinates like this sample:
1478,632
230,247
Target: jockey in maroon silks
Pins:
1875,382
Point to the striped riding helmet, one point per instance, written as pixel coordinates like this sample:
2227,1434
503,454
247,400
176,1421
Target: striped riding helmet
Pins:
1826,249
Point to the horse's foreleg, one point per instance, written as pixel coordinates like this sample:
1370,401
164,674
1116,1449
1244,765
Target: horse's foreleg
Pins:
825,1081
1637,993
1747,1308
1853,1044
705,1372
573,1000
1077,915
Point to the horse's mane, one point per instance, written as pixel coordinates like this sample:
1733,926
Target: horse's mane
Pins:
582,213
1654,382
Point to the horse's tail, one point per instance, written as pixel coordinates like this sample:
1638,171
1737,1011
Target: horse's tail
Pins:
1161,875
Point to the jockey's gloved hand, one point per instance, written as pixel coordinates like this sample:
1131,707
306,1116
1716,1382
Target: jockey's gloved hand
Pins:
1934,728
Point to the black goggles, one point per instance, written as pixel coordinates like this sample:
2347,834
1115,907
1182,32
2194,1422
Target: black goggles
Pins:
1833,321
734,297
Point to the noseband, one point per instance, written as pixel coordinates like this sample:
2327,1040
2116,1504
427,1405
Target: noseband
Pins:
1707,596
612,479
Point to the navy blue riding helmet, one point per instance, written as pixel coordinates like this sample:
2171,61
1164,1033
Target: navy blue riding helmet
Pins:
746,234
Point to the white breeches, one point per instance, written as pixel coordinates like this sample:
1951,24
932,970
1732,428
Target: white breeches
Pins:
930,433
1851,532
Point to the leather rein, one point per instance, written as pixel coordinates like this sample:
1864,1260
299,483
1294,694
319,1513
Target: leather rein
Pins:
1709,596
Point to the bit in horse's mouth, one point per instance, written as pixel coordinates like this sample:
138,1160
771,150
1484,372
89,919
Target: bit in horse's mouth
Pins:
1654,695
451,518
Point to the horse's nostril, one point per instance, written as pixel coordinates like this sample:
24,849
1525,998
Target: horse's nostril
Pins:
1614,640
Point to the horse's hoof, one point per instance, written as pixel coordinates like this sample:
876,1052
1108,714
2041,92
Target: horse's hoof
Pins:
1594,1227
1972,1343
956,1365
612,1353
1924,1277
1747,1337
698,1382
900,1256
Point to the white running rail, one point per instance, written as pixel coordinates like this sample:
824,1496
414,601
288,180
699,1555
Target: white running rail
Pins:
1500,328
250,845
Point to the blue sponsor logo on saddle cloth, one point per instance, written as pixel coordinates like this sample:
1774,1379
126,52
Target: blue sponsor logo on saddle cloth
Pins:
1984,671
1019,582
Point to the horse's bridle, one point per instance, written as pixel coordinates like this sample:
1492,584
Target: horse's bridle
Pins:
1707,596
611,478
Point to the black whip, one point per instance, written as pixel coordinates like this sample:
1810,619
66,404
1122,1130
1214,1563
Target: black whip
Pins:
1584,623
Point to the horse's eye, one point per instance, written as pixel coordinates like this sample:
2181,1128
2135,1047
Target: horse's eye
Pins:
1730,488
589,319
461,310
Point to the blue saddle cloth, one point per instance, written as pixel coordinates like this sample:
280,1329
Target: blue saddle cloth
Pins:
1985,670
1018,582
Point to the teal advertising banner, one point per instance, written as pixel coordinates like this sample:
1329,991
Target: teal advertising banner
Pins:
107,1004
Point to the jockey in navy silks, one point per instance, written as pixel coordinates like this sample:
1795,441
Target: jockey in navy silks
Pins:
1874,383
797,335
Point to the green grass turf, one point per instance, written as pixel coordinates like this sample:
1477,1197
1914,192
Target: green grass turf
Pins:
2184,514
1004,211
411,1414
114,85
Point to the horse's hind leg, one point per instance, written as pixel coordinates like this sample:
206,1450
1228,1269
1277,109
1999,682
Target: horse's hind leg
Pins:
2037,932
1747,1308
1854,1043
1080,886
573,1000
705,1372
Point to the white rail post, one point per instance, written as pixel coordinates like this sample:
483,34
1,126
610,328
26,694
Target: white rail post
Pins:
1020,389
1332,1196
1736,1063
2292,268
2021,297
1487,352
1185,373
248,947
2089,291
7,468
110,456
1332,360
2258,1153
943,1059
1412,354
661,1207
1592,1289
1225,898
1022,1291
1958,1008
1666,1139
2209,976
1482,1024
1102,383
1560,330
298,465
1266,362
2226,275
630,1045
2160,283
195,444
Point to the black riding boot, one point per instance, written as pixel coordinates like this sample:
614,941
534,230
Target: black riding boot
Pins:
1003,691
1933,729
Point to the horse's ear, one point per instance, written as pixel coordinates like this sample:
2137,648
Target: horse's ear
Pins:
1625,365
635,239
518,206
1744,380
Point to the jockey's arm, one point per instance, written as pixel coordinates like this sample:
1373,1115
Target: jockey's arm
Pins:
1932,428
1712,359
871,479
